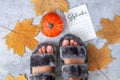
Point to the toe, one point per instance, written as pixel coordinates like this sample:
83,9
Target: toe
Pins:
72,42
39,51
43,49
76,44
50,49
65,42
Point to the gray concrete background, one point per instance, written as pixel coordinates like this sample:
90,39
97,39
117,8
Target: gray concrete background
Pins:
18,10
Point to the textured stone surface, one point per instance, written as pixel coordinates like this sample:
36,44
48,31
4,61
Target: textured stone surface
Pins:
17,10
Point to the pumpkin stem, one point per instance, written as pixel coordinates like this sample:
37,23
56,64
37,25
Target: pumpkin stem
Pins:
50,25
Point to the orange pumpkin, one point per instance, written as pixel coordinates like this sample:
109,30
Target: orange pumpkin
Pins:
51,25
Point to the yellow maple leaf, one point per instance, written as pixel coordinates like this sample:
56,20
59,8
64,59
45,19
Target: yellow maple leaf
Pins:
22,35
9,77
98,59
19,77
110,30
49,6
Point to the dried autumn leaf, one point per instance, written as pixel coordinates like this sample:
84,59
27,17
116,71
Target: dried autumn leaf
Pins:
22,35
19,77
9,77
110,30
98,59
49,6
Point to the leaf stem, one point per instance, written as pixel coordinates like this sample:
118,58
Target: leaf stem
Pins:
8,28
104,75
5,28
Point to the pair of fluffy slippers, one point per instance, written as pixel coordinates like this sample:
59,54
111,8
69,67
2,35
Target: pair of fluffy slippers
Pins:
79,71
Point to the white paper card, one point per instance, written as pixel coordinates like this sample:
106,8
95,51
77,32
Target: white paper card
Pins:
79,22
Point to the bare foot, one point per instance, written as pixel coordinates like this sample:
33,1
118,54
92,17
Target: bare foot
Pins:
72,42
42,69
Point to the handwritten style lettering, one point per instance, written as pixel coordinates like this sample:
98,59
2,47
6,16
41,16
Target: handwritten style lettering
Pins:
73,16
